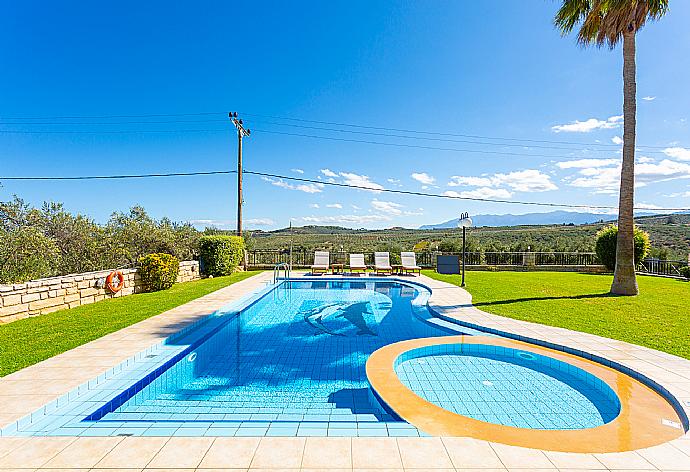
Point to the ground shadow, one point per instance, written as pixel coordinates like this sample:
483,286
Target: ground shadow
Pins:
534,299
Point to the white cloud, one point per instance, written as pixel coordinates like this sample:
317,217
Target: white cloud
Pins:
591,124
334,205
617,140
587,163
344,219
528,180
328,173
389,208
260,222
652,206
648,98
423,177
360,181
644,160
607,179
226,224
458,181
356,208
481,192
297,171
307,188
314,205
393,181
679,153
679,194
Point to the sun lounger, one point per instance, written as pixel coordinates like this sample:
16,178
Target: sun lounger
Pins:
382,264
409,263
321,262
357,263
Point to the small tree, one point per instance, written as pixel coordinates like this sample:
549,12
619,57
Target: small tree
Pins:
607,239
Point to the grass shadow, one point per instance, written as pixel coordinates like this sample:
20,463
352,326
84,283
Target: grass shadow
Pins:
535,299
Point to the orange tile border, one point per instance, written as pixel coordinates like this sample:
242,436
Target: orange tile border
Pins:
639,424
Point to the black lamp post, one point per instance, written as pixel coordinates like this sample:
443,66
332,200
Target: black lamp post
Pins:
463,223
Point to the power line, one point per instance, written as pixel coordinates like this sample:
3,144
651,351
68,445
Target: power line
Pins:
311,136
331,123
419,146
333,184
134,131
88,117
292,125
122,176
404,130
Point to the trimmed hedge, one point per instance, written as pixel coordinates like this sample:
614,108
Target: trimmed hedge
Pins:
607,240
158,271
220,254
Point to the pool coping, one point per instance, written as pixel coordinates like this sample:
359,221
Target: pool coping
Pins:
633,428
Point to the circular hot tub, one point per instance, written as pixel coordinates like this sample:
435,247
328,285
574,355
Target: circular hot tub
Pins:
516,393
506,386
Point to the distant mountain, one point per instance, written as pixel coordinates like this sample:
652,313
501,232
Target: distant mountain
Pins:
549,218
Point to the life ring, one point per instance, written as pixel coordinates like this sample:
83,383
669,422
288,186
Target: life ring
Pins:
109,281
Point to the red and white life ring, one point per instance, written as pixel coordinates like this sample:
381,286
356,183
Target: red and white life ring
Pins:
110,279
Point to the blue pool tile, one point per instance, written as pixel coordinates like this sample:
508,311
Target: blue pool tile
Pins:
220,431
251,432
192,432
281,431
312,432
163,432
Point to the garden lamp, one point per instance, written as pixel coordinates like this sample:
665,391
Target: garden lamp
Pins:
464,222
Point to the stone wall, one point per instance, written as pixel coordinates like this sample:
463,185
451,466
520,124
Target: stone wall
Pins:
42,296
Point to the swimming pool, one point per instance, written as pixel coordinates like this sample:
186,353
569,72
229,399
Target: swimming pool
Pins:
290,363
295,359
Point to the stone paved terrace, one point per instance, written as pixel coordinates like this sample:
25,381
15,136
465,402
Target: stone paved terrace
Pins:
54,377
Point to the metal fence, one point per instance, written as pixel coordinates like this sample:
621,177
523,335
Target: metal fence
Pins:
265,258
303,258
659,267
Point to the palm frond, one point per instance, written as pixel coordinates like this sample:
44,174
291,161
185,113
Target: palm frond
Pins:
604,22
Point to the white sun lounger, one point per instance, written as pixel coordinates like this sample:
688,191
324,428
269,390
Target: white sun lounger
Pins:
409,263
382,264
322,260
357,263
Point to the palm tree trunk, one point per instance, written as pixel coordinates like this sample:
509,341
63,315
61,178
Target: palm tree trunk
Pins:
624,281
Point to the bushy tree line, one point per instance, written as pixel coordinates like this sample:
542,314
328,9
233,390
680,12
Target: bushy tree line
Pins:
49,241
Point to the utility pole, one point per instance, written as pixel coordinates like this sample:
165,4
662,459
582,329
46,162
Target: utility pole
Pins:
241,133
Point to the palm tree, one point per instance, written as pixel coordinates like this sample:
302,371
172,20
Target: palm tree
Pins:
607,22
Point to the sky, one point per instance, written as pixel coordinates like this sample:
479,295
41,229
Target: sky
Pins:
488,101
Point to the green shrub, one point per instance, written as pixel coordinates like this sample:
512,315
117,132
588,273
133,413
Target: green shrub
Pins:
685,272
220,254
158,271
606,245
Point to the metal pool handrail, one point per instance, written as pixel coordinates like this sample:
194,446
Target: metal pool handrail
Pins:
276,271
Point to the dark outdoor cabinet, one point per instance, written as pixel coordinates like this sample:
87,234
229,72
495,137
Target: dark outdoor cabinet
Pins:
448,264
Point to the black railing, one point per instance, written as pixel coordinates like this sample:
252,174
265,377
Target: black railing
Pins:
303,258
659,267
264,258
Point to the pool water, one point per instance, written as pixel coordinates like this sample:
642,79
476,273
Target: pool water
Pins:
293,360
508,387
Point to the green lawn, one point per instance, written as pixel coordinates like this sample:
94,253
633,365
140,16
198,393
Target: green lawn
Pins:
31,340
657,318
